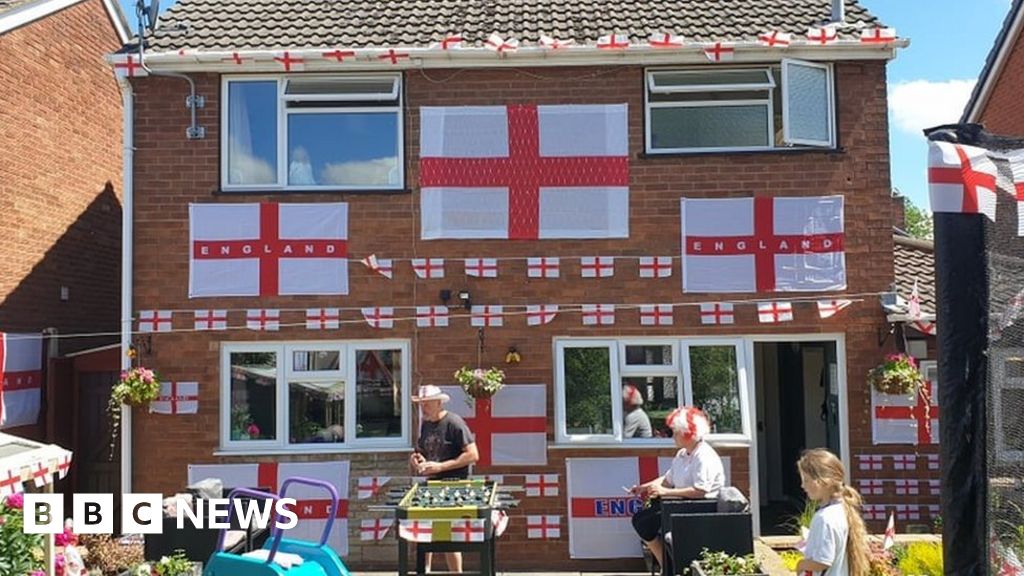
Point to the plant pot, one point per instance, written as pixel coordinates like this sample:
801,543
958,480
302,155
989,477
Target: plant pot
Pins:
697,570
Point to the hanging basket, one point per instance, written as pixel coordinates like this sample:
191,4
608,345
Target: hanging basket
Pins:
480,383
897,375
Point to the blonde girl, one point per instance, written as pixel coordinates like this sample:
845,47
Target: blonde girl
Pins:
837,544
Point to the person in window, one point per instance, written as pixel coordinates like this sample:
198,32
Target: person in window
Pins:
300,170
445,449
696,472
635,423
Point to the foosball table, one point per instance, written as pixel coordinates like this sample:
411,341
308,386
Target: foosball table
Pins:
450,516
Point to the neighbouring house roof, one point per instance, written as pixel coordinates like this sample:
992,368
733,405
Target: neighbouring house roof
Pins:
269,24
17,13
994,63
914,259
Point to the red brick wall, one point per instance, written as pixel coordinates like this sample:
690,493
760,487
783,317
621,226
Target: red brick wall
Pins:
178,172
1004,111
60,175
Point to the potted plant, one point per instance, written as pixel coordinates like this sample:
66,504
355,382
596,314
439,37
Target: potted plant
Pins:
22,553
722,564
897,375
480,383
137,386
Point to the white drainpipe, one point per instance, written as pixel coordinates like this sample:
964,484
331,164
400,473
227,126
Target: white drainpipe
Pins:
128,154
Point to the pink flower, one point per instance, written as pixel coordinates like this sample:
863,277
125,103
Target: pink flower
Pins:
38,573
65,538
253,431
16,501
146,374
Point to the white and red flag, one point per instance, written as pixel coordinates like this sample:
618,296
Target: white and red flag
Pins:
655,266
906,419
597,314
486,316
914,308
211,320
268,249
961,179
428,268
890,533
904,461
597,266
313,504
665,40
907,486
599,510
540,314
370,486
829,308
720,52
432,316
482,267
555,43
155,320
289,61
613,42
499,518
382,266
775,39
822,35
468,529
323,318
793,244
541,484
1016,161
871,486
717,313
869,461
129,66
449,42
546,527
379,317
878,35
774,312
263,319
375,529
510,427
21,379
524,172
416,530
176,398
501,45
655,314
543,267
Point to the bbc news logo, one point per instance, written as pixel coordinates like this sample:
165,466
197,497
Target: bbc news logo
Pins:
144,513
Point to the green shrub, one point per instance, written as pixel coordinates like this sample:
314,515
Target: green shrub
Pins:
21,553
922,559
722,564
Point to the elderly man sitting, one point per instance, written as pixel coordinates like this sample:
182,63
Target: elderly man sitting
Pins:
696,472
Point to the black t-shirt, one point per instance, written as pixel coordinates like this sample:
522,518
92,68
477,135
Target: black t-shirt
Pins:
445,440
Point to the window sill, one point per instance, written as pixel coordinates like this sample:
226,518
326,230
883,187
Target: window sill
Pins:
289,191
307,451
783,150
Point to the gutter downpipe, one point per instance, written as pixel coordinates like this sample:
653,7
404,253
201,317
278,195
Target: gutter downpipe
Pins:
127,236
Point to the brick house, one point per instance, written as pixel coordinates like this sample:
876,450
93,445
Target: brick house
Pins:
60,173
317,104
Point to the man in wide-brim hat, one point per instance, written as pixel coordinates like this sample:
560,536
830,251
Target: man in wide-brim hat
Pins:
445,449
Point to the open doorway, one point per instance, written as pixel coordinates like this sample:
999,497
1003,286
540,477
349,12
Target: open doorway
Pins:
797,408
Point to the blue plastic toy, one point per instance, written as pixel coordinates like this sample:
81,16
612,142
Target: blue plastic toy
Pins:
321,553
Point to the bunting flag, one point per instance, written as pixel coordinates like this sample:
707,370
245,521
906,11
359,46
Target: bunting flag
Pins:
924,327
873,511
829,308
655,266
656,315
665,40
598,314
878,35
482,267
468,529
428,268
21,379
907,487
323,318
176,398
720,52
933,461
381,266
904,461
869,461
539,314
486,316
382,317
541,484
935,487
546,527
914,309
499,478
613,42
431,316
555,43
370,486
524,172
870,486
890,534
792,244
542,267
449,42
906,419
416,530
268,249
774,312
500,519
501,45
908,512
211,320
775,39
155,320
510,427
289,62
822,35
375,529
263,319
1016,160
313,505
961,179
338,55
717,313
597,266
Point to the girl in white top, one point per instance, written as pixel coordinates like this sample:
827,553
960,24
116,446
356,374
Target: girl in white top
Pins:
837,544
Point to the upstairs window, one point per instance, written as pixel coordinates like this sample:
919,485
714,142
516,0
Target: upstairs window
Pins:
312,133
739,109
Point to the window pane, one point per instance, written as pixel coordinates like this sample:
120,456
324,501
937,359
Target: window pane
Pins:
711,78
343,149
808,103
1014,367
661,396
1013,419
709,127
252,132
253,396
649,355
316,412
716,386
379,393
341,86
588,400
315,360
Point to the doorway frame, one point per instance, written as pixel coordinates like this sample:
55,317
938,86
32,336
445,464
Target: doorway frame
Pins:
839,339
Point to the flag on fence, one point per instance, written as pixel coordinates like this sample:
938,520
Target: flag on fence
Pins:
903,419
524,172
21,379
961,179
510,427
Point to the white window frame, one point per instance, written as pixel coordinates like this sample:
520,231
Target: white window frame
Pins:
830,100
283,113
680,370
1001,381
348,373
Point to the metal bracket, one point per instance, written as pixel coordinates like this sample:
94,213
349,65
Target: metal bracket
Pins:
200,101
197,133
883,337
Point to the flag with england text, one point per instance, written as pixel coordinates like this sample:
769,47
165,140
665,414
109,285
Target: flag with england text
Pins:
268,249
21,379
510,427
762,244
313,504
524,172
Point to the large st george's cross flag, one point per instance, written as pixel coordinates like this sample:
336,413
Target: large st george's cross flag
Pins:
524,172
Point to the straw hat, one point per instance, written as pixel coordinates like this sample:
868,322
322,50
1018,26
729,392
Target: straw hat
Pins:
430,392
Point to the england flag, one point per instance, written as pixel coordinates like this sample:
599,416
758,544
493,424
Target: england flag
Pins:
21,379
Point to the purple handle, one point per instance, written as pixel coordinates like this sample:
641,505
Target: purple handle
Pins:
253,494
318,483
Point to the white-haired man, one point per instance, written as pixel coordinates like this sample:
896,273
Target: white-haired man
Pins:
635,422
696,472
